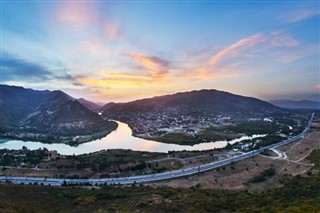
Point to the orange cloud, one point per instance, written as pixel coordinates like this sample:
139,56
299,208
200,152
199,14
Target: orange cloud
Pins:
154,65
122,81
204,75
125,76
111,83
127,94
157,75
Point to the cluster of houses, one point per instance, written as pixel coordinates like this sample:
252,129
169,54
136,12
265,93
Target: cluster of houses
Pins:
171,121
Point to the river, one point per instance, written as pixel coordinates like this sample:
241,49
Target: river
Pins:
121,138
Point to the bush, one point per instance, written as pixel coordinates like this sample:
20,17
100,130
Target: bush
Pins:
262,176
85,200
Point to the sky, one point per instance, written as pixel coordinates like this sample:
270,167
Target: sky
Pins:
125,50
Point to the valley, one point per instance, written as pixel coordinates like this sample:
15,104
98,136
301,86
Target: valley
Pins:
266,149
293,193
125,163
159,106
203,116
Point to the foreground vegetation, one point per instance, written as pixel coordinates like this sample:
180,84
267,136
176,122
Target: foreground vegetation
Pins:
297,194
301,194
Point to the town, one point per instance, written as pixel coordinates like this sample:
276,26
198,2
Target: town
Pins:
174,125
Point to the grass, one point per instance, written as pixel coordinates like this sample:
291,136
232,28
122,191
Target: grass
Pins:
315,158
178,138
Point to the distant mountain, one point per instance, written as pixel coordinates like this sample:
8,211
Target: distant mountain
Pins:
90,105
32,114
196,102
291,104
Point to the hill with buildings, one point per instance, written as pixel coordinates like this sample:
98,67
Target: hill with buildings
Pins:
204,102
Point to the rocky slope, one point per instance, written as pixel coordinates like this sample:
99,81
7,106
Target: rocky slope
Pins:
51,116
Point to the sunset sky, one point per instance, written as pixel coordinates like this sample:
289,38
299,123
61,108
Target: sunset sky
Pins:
124,50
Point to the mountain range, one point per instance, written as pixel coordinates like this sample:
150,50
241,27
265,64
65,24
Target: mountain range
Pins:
291,104
56,116
48,115
90,105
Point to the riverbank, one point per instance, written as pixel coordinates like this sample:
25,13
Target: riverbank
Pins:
48,138
185,138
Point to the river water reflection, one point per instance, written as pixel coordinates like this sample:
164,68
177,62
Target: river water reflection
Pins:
119,139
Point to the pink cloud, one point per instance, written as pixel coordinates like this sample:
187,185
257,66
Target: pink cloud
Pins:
301,15
296,53
95,48
82,14
233,56
216,62
77,13
284,41
255,42
289,58
240,46
112,29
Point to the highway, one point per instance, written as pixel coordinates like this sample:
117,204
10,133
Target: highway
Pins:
153,177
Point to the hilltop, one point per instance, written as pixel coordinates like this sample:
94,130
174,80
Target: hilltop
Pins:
291,104
52,116
202,101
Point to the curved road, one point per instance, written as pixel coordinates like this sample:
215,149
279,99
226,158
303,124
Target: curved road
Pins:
152,177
